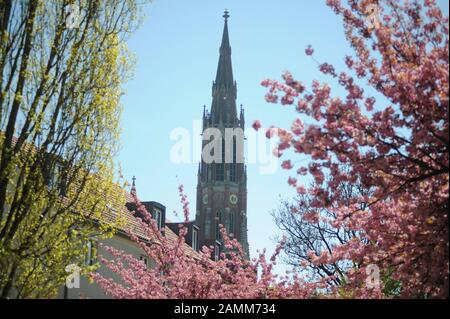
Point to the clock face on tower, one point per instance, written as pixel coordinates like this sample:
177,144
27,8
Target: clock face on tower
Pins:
205,199
233,199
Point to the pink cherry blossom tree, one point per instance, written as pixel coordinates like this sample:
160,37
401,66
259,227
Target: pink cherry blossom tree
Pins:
176,274
394,145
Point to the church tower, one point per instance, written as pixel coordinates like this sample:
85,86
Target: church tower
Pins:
222,176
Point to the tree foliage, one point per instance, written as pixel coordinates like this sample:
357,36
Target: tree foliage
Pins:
396,145
308,233
62,64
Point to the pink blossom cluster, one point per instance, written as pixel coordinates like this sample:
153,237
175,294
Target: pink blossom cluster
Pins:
176,274
395,148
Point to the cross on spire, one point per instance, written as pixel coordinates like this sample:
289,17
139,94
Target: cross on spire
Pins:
133,186
226,15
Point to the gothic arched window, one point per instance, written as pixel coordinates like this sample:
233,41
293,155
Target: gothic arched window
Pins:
208,173
232,166
234,149
218,225
231,227
220,167
220,172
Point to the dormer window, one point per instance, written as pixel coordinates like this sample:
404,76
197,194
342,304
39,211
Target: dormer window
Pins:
216,251
157,215
55,178
51,174
195,239
90,256
144,259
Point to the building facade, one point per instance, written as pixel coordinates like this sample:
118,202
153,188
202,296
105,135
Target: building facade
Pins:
122,242
222,176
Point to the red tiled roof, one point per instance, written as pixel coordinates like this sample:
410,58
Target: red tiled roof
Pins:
125,219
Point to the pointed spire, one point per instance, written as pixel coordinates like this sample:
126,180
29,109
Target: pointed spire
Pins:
224,76
133,185
223,109
241,117
225,37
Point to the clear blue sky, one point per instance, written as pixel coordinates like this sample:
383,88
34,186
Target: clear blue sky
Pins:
177,50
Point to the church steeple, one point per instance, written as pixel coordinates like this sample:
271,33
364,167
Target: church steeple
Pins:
222,183
224,75
223,107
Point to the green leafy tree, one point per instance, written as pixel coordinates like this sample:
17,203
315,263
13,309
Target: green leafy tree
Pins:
62,64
